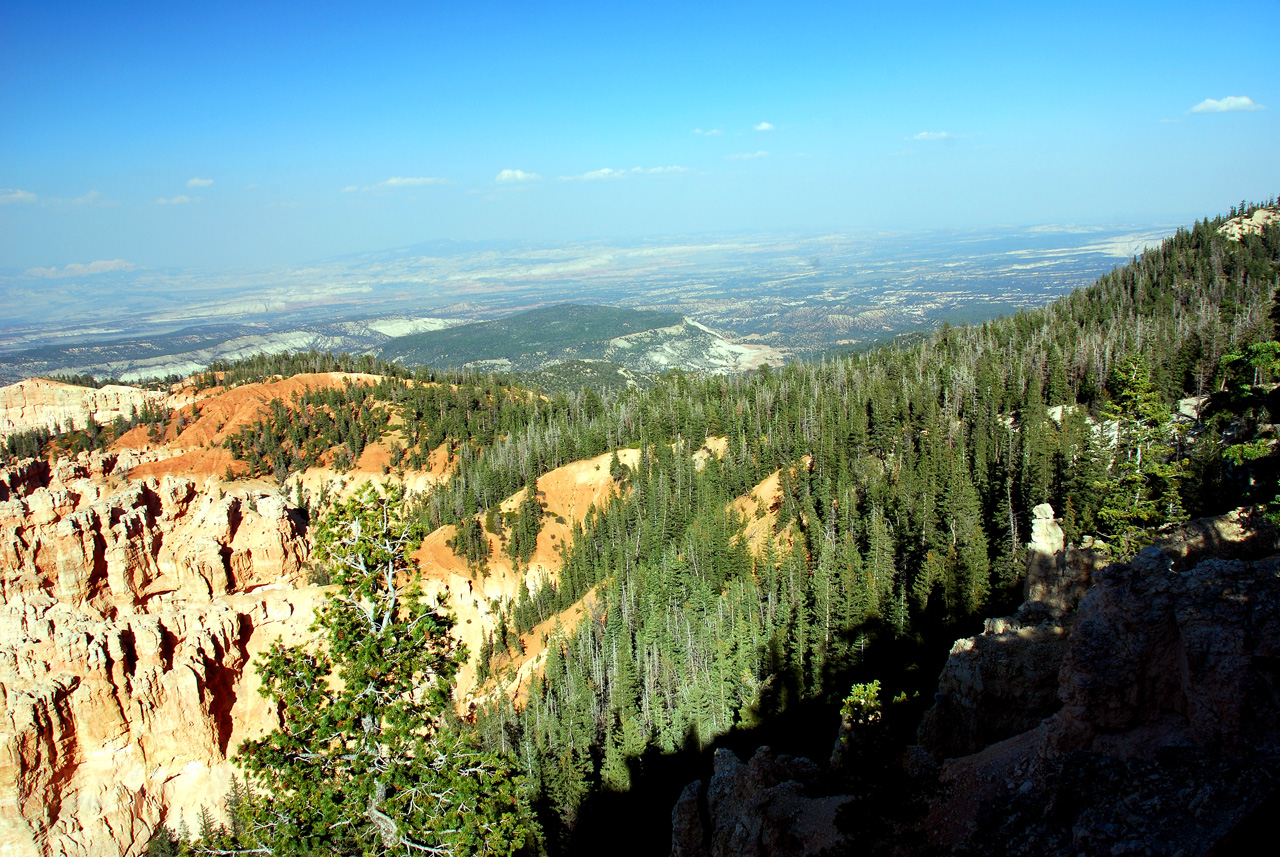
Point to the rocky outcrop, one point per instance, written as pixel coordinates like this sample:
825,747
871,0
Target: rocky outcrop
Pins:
1238,227
1160,677
760,809
37,403
1168,734
1162,657
132,613
1005,681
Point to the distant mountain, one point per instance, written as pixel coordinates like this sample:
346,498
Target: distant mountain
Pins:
191,349
638,340
800,295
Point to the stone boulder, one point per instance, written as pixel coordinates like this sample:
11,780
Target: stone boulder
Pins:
758,809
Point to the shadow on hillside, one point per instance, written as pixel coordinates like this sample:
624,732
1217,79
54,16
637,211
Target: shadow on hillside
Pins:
638,821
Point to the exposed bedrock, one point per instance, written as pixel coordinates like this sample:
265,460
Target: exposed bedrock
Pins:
1005,680
756,809
131,614
1127,708
1167,733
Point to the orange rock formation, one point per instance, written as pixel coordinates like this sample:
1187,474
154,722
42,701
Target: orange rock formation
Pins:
132,612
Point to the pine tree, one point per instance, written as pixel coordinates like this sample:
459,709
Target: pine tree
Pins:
163,843
363,764
1143,488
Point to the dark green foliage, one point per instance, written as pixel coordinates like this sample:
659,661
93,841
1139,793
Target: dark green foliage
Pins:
471,544
365,765
267,367
908,478
83,381
908,473
618,471
25,444
601,376
566,330
1143,487
337,422
525,527
163,843
1239,456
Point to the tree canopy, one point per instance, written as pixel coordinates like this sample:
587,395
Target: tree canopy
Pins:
365,761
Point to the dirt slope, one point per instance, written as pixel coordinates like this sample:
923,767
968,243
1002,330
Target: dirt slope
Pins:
567,493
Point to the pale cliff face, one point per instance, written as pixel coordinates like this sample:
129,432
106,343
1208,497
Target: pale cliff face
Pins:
131,617
138,590
37,403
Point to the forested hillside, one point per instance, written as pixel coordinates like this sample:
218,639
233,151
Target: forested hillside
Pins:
533,337
907,476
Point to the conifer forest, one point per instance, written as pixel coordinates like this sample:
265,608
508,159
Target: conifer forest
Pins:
908,474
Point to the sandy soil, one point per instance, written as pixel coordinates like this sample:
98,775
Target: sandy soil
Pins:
567,493
212,415
760,510
517,673
714,446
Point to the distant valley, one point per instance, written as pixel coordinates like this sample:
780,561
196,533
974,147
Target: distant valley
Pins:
633,341
777,296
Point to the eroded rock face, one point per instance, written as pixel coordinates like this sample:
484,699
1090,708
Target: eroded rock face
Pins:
37,403
132,612
758,809
1169,731
1162,657
1005,681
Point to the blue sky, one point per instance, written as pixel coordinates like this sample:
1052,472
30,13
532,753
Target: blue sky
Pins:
268,134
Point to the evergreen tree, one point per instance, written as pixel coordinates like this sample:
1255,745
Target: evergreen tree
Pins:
1143,488
363,765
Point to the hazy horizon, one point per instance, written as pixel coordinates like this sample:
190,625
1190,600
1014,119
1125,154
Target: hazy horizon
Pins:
251,137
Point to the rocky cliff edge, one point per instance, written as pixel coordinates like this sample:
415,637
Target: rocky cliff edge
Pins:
1126,708
132,611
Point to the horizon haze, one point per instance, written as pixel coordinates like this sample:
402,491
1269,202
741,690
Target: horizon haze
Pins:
143,136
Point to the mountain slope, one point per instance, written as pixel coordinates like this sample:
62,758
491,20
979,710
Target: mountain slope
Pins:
639,340
893,492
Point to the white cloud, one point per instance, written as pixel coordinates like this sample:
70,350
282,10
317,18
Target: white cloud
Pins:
180,199
88,199
764,126
748,156
199,182
605,173
397,182
1230,104
408,181
608,173
76,269
714,132
13,194
933,135
515,176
